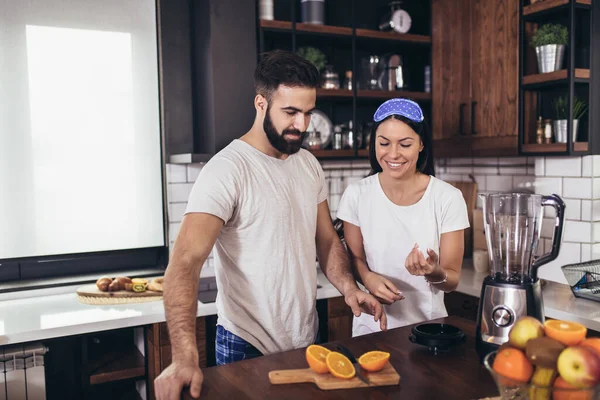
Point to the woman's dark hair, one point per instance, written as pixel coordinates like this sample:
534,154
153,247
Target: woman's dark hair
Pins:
425,160
281,67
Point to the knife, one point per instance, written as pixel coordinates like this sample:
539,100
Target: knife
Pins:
350,357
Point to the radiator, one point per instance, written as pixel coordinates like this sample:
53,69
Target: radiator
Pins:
22,372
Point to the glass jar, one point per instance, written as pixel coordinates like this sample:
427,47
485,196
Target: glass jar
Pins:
314,140
331,79
337,137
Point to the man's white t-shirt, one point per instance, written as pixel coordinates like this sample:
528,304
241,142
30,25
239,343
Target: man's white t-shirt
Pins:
265,253
389,234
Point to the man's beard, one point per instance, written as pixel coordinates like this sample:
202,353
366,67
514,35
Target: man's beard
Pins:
278,141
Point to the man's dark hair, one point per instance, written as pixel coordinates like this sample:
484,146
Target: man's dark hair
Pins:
281,67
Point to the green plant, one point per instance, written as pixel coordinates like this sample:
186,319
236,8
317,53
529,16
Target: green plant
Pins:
550,34
314,55
561,106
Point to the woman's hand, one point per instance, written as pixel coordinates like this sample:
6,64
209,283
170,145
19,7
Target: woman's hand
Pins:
383,289
416,264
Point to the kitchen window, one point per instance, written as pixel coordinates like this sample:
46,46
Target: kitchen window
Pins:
81,186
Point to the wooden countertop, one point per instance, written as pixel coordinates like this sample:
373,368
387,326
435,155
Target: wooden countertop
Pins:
423,375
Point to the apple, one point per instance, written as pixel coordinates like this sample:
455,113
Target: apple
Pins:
523,330
592,343
579,366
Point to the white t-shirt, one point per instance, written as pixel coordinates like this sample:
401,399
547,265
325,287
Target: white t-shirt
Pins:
265,253
389,234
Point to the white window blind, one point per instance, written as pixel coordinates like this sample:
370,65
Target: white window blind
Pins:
80,155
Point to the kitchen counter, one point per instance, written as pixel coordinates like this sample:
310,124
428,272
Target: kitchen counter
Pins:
56,312
423,375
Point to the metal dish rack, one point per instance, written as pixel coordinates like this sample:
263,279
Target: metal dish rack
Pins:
584,279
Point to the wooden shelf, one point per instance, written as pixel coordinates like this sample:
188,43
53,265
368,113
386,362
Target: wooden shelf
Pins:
554,77
390,94
400,37
548,5
343,31
333,153
268,24
553,147
324,93
363,153
324,29
118,365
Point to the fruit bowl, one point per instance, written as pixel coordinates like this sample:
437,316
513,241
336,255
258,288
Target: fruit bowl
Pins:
513,390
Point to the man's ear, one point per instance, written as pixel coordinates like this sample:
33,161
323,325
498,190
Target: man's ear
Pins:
260,103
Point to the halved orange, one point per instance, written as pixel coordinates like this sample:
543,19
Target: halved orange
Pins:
567,332
315,356
339,365
374,361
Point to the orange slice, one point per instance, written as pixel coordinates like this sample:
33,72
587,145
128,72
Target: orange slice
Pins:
315,356
567,332
339,365
374,361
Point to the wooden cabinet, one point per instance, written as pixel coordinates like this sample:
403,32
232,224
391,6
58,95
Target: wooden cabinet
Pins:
158,347
461,305
475,77
339,321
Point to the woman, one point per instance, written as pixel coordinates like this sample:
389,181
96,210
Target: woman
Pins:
402,226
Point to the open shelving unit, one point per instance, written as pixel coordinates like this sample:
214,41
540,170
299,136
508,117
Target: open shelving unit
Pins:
538,91
350,34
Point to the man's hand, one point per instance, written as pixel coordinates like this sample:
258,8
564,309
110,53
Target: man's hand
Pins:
360,301
169,384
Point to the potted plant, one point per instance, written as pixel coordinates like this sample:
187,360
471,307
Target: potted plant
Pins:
561,107
314,55
549,42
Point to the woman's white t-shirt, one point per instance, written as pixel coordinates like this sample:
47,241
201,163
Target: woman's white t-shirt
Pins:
389,234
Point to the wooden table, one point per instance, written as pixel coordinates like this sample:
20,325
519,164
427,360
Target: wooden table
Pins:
423,375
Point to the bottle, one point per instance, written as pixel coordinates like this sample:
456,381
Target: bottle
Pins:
348,142
539,133
337,137
348,81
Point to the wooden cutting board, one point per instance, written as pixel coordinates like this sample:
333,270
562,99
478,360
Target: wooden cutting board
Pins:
92,290
386,377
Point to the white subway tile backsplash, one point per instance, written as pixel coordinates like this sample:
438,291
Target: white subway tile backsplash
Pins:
522,170
176,173
540,166
578,231
563,166
548,186
173,231
358,172
486,170
480,180
587,166
454,178
596,210
350,180
491,161
586,210
547,230
364,164
334,202
573,209
586,252
569,253
459,170
193,170
596,251
176,211
336,186
595,165
596,232
336,173
336,164
512,160
524,183
577,188
179,192
596,188
499,183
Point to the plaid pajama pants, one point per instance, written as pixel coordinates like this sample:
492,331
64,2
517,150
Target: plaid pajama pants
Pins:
230,348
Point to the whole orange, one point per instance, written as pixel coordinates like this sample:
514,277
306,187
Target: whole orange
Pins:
513,364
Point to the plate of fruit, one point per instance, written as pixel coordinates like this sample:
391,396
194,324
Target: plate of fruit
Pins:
550,361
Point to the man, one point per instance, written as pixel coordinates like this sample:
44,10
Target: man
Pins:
262,202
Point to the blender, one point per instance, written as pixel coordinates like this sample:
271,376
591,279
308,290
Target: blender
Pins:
512,223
